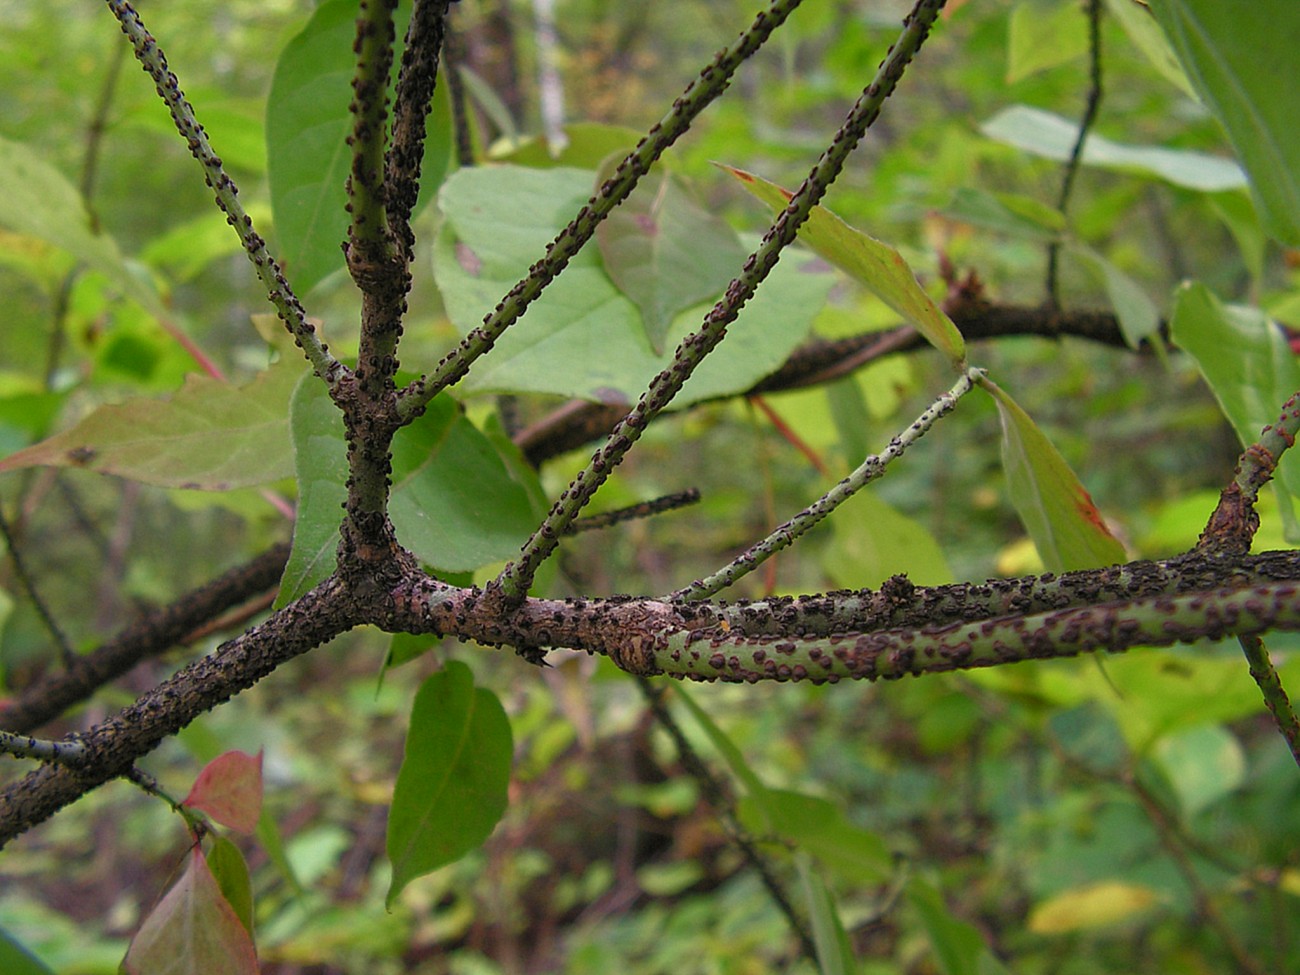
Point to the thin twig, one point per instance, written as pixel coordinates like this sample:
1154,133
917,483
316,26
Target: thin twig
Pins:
513,581
66,651
1275,697
1076,153
866,472
280,294
643,509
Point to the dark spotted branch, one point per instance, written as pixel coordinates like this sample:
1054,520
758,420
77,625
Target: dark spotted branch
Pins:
512,583
711,83
223,187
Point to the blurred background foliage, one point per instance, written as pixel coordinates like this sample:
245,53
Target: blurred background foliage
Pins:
1137,815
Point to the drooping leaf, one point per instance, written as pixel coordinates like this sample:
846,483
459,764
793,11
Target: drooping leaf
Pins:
17,960
834,953
1094,906
307,125
1241,60
1048,135
754,787
667,253
583,337
958,946
820,828
192,931
455,503
1039,39
209,435
230,871
451,789
868,261
1146,35
1008,213
1245,360
229,789
1068,530
37,200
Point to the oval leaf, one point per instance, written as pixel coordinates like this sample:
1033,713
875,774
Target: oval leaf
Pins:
1060,517
1093,906
870,262
451,790
230,871
192,931
209,435
229,789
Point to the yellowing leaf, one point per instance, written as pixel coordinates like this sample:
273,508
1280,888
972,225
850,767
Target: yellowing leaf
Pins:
1058,513
1093,906
192,931
868,261
209,435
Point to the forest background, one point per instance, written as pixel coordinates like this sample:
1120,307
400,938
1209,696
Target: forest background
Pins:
1132,813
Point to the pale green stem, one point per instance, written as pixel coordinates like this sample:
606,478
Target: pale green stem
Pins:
65,752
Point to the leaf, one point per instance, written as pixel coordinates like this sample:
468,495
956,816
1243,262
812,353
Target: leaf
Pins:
1092,906
231,874
1203,764
307,125
192,931
454,502
958,946
1245,360
754,786
1138,316
874,540
1044,134
820,828
36,199
1146,35
583,337
209,435
1037,40
451,789
17,960
834,953
667,253
1066,526
229,789
1008,213
1241,60
868,261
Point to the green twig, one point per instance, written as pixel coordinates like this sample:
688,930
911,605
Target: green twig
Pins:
1076,153
513,582
712,81
1275,698
280,294
870,469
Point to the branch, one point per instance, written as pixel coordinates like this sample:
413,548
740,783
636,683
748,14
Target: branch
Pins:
51,695
281,295
512,584
712,81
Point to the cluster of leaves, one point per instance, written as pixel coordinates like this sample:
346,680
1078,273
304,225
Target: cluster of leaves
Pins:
1112,808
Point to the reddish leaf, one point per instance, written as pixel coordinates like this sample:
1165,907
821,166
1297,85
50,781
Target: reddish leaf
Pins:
229,789
192,931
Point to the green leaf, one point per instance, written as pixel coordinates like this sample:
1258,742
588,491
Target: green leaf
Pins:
1138,316
17,960
307,125
36,199
1146,35
667,253
834,953
451,789
1038,40
1245,360
192,931
1008,213
874,540
1044,134
958,946
754,786
1203,764
583,337
209,435
1241,60
1066,526
230,871
868,261
819,828
455,502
